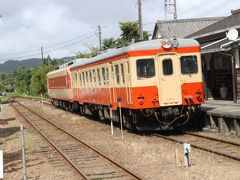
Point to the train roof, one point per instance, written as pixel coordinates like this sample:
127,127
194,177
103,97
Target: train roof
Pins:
144,45
66,68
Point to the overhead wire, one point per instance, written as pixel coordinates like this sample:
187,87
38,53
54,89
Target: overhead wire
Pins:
46,47
48,50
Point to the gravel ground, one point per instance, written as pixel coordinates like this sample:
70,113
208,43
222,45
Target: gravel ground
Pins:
42,161
148,156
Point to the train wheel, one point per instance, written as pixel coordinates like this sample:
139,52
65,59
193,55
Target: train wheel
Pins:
128,122
81,109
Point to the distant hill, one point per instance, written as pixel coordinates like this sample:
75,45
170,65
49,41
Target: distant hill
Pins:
11,65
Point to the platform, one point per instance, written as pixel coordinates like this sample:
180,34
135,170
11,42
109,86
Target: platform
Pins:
223,116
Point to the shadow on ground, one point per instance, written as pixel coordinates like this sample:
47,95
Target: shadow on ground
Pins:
5,132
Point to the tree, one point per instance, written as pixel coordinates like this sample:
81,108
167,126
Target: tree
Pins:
93,51
130,32
39,80
23,80
109,43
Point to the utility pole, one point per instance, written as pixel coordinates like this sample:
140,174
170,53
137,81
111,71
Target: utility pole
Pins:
168,4
175,9
42,53
100,38
140,20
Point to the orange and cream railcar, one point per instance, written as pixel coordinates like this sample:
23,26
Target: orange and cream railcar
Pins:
157,84
59,87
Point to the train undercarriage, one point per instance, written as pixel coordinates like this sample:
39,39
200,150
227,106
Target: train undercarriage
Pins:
166,118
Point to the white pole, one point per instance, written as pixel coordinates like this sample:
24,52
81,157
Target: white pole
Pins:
121,123
186,152
111,121
23,153
42,100
1,164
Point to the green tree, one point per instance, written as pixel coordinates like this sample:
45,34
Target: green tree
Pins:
1,87
130,32
23,80
109,43
93,51
39,80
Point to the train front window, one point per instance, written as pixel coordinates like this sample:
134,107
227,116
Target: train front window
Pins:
189,64
167,67
145,68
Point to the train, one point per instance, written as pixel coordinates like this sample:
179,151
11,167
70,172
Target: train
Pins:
149,85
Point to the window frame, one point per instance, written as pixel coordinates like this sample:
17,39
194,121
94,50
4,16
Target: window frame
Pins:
142,76
163,72
196,60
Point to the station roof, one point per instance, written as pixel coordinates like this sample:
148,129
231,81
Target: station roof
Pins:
181,28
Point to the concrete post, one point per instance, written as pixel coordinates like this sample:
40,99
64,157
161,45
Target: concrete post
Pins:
23,154
236,127
1,164
186,152
222,126
212,123
236,56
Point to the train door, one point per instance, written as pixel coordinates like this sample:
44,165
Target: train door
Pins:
169,80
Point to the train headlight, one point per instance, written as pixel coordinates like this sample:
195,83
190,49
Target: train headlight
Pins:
199,95
166,43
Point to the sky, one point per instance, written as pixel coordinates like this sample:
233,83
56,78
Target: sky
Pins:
65,27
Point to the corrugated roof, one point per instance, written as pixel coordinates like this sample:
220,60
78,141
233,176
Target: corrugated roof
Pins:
225,24
182,27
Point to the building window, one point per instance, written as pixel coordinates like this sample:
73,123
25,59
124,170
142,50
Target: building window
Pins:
189,64
117,75
122,73
145,68
167,67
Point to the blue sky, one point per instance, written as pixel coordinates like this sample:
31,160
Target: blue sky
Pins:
64,27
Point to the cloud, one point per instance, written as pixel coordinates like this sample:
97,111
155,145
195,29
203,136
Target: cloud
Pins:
27,25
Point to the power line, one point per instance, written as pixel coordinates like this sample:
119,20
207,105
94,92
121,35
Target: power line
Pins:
50,50
215,8
46,47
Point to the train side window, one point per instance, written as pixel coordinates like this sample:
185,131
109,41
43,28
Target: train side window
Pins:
75,79
104,76
94,77
80,79
86,74
117,75
90,77
189,64
107,76
145,68
122,73
83,77
99,77
167,67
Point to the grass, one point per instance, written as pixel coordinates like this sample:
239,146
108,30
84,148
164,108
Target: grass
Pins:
5,99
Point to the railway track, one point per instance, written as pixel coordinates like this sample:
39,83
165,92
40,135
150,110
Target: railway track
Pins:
213,145
88,162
